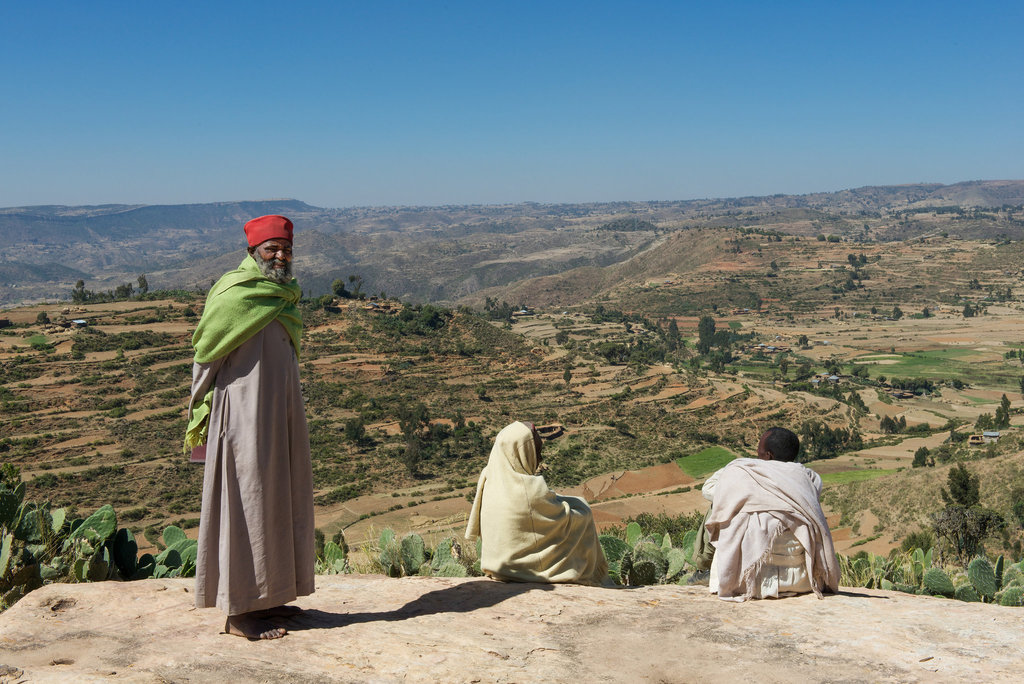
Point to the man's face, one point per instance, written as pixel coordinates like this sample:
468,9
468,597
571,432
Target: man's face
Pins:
274,258
762,452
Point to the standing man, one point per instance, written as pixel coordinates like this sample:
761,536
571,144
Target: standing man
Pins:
256,526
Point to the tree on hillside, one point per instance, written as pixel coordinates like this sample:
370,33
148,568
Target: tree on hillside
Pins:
143,283
412,422
963,524
1002,419
897,313
818,440
338,288
673,338
705,334
355,430
356,281
964,488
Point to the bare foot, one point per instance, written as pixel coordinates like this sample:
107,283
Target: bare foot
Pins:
253,628
277,611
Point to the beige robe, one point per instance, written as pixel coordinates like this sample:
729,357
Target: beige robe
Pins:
769,532
256,548
529,533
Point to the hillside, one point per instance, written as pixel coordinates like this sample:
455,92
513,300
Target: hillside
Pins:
442,254
95,415
694,271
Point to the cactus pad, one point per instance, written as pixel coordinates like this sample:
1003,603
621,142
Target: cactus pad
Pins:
613,547
1014,596
967,592
643,572
413,553
633,533
450,569
982,576
937,582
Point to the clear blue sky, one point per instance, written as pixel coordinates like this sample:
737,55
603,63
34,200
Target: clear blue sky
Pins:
400,103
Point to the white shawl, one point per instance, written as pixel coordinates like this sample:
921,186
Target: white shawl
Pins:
529,533
755,502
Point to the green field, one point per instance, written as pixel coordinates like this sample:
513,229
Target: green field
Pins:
967,365
854,476
705,461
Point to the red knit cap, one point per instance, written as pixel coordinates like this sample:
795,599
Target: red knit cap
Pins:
265,228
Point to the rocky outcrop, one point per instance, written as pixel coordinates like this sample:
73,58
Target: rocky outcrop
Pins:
371,628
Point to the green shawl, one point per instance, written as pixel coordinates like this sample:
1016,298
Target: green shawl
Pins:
238,306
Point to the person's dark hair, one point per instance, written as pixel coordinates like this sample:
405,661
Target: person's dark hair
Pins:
783,444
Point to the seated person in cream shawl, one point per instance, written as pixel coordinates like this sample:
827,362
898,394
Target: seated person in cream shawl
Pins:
529,533
766,524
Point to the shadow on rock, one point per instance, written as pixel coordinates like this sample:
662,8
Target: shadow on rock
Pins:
461,598
853,594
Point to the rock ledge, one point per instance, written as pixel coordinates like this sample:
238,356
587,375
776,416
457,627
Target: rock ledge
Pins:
370,628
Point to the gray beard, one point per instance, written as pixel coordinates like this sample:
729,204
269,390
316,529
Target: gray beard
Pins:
278,275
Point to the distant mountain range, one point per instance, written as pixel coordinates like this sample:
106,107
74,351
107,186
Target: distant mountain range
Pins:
451,252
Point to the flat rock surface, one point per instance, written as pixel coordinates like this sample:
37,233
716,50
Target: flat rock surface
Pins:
364,628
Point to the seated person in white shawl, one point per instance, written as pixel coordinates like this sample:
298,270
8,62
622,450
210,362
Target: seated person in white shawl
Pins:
766,524
529,533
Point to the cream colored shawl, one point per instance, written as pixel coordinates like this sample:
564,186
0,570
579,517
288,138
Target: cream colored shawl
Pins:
755,502
529,533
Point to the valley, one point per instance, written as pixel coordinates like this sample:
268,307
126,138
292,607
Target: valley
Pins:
404,399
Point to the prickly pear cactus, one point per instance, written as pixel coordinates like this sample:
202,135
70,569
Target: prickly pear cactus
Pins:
967,592
887,585
613,547
1014,596
1013,576
625,566
6,547
442,554
633,533
982,577
450,569
937,582
653,554
689,546
643,572
125,552
335,561
98,527
676,562
10,502
413,554
391,559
